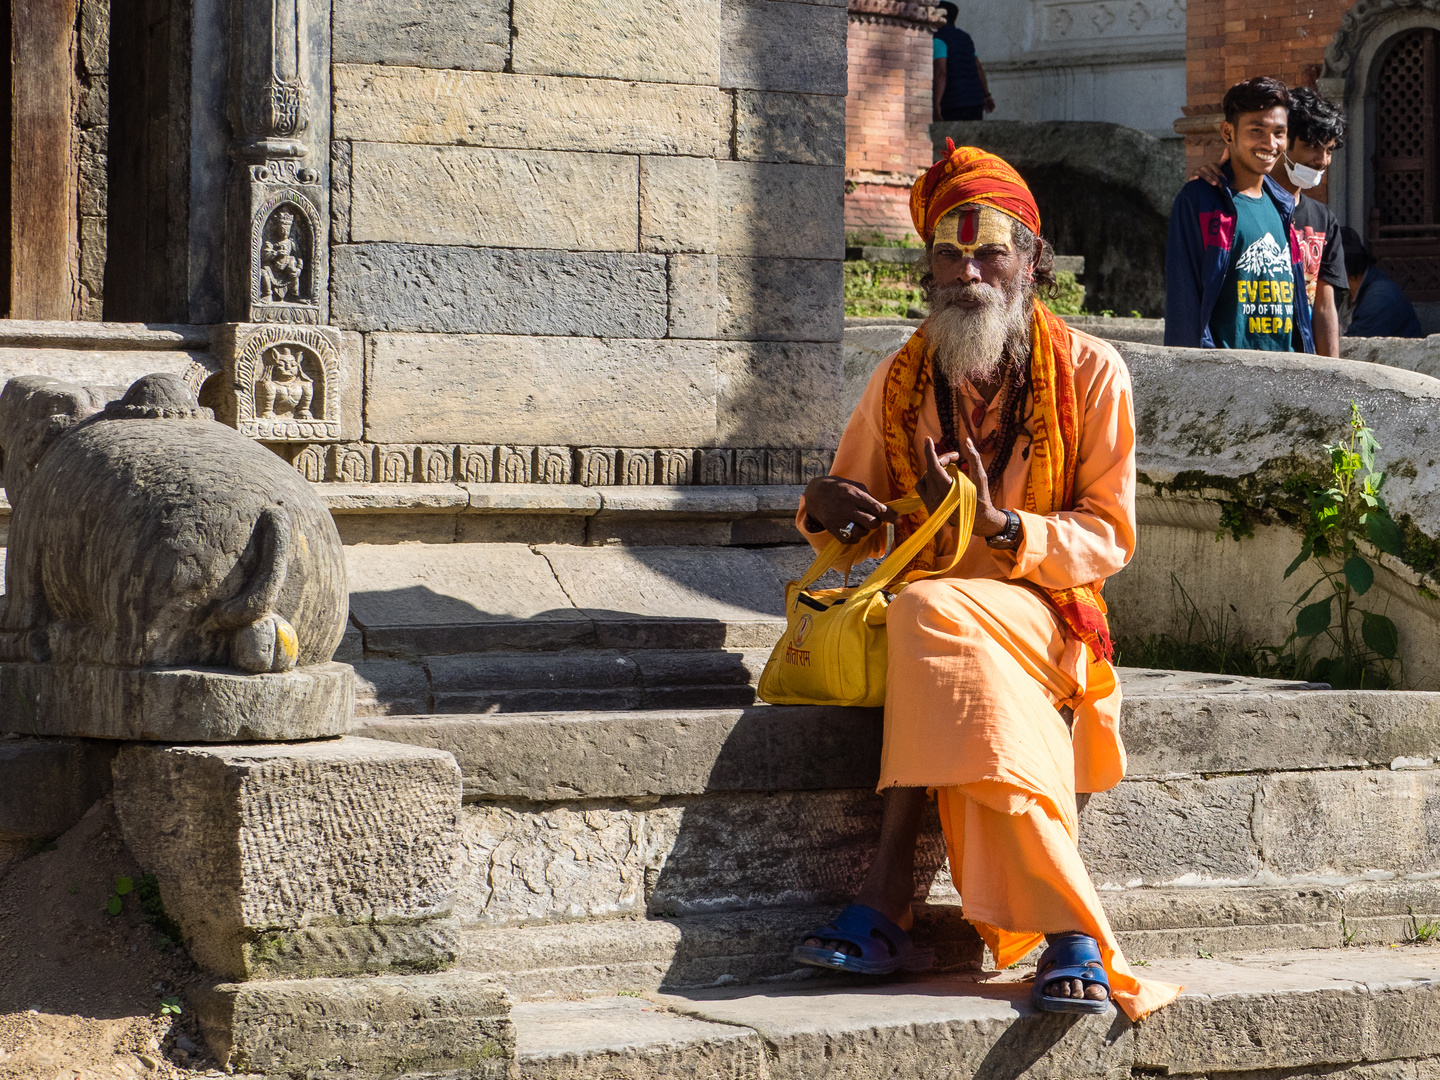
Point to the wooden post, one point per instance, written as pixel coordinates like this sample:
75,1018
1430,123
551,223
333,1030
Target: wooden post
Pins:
44,263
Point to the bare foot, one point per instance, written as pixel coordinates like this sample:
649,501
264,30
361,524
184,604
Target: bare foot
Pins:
1075,988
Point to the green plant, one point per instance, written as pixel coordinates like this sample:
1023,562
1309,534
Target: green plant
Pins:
170,1006
1422,933
1209,643
1362,644
877,289
1347,935
1071,297
1135,314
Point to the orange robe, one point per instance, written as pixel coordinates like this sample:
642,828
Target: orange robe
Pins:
980,664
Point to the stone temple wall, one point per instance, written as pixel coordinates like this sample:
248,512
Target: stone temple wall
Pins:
589,243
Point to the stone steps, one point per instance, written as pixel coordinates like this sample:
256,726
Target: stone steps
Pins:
1318,1010
635,850
440,628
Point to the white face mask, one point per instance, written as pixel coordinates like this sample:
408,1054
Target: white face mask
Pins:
1303,176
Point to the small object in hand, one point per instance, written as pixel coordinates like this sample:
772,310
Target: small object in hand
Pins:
847,532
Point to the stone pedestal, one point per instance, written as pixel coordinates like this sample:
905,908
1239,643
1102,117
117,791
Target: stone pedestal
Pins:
453,1025
297,860
177,704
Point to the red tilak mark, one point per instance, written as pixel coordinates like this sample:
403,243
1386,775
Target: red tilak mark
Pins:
977,417
969,226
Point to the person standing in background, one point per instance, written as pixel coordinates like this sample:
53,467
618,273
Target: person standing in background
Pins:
961,89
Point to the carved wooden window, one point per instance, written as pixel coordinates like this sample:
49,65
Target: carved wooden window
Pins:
1405,223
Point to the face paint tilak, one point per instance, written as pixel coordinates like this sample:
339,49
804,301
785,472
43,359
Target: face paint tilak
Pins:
971,227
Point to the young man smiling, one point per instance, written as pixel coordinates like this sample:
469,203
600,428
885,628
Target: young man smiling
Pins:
1317,130
1234,273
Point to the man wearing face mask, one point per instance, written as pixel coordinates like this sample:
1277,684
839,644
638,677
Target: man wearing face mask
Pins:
1317,130
1233,266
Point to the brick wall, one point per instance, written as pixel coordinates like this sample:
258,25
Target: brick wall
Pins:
887,112
1230,40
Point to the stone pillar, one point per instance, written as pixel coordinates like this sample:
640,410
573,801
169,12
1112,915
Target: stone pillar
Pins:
277,254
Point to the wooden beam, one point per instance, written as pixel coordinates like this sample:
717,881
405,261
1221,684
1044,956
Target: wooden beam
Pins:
44,262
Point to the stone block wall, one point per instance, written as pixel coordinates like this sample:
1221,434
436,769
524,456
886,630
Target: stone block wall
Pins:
888,110
588,229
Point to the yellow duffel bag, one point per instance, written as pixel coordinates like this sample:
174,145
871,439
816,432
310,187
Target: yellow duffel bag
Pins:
834,648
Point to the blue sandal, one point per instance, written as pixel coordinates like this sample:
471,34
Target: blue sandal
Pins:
1070,956
884,947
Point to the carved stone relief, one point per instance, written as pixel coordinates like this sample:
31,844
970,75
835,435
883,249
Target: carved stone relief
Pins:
360,463
674,466
395,464
512,464
285,382
437,464
782,466
595,467
637,466
354,464
749,467
552,464
716,466
1063,22
477,464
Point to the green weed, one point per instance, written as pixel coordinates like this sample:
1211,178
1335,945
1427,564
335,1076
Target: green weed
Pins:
1422,933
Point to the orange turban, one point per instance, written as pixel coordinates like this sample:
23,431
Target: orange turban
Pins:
968,174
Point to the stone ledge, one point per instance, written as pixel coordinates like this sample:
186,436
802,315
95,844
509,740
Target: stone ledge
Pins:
179,704
1186,729
46,785
779,500
1276,1011
102,336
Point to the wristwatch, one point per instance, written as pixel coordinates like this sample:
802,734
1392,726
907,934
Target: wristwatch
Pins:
1007,536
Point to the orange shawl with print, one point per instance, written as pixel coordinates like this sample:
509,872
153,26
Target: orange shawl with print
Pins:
1053,455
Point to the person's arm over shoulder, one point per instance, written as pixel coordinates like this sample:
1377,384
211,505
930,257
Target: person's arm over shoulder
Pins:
1184,275
1094,539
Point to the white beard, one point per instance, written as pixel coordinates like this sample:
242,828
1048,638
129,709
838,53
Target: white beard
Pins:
970,343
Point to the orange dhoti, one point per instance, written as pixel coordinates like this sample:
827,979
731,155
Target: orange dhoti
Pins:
978,670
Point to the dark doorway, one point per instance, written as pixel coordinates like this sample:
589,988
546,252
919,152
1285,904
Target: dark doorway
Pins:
1405,222
146,173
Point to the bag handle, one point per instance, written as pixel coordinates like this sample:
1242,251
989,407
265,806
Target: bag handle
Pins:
961,496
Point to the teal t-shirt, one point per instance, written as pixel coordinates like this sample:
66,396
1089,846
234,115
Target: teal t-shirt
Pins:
1256,309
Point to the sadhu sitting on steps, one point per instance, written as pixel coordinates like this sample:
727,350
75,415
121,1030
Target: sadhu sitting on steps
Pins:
1000,692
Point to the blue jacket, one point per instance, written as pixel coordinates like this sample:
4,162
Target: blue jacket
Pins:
1197,259
1382,309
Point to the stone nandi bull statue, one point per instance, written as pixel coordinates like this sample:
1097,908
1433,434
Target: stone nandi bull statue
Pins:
149,546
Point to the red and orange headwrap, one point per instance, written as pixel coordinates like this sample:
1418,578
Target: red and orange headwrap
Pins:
967,174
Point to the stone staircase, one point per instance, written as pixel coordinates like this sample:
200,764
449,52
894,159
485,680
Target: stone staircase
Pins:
643,844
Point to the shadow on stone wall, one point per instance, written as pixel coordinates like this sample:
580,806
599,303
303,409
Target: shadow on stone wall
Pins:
1104,192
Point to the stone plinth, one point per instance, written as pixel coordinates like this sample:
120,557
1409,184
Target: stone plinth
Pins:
297,859
455,1024
176,704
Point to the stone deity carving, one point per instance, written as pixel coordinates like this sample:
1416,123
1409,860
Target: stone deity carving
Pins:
284,389
280,261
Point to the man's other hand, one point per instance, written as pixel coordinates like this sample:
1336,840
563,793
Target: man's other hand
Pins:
989,104
1210,171
845,509
988,519
935,484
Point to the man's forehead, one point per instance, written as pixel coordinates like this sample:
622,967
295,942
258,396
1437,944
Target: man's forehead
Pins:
972,226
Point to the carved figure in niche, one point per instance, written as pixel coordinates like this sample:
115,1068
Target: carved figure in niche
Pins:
280,261
145,535
284,389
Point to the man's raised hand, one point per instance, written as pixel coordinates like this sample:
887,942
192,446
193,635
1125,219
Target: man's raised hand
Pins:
935,484
845,508
988,519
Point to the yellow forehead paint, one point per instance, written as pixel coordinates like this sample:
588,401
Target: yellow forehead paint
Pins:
972,226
